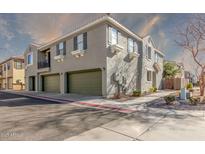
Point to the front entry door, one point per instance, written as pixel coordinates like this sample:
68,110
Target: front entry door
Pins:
32,83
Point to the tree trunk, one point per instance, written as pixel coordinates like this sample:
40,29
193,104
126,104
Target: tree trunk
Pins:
202,83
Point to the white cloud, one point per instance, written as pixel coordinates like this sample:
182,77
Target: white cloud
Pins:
149,25
162,41
45,27
4,30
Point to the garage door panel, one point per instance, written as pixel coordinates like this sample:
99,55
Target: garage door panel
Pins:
52,83
89,83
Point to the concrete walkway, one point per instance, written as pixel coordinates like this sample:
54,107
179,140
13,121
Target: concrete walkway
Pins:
127,106
150,125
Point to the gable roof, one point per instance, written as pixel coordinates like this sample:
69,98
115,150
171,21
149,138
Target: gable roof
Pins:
154,45
13,57
103,19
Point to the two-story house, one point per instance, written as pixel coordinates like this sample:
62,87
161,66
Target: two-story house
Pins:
101,58
12,74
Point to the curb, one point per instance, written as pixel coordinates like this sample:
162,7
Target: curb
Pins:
65,101
119,109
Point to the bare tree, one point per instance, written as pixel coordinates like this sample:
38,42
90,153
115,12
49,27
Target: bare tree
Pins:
192,39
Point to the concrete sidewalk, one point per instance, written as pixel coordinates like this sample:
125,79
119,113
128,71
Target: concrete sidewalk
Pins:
150,125
126,106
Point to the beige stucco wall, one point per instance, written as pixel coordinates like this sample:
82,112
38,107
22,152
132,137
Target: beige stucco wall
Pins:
147,64
97,55
123,66
94,57
19,75
11,73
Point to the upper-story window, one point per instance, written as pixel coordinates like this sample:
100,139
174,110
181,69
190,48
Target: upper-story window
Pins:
156,59
80,42
149,52
18,64
113,36
4,67
30,59
132,45
61,48
8,66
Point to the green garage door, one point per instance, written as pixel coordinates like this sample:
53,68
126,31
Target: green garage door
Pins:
51,83
88,83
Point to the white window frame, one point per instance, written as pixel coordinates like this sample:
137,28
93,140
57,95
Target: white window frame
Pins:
130,45
112,39
134,46
80,42
150,75
30,54
16,65
156,57
61,48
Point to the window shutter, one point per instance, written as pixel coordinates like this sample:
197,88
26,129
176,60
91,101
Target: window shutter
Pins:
64,48
57,50
85,41
109,35
75,45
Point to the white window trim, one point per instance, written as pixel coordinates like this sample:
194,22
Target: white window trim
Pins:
31,53
132,41
157,58
110,36
80,42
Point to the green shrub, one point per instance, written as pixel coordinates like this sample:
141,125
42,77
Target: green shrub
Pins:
136,93
189,86
169,99
152,89
194,100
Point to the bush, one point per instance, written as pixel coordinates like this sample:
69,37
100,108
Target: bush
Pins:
194,100
169,99
152,89
136,93
189,86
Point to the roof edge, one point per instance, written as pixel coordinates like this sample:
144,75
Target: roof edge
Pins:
95,22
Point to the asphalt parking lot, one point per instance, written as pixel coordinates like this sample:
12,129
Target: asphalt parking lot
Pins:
24,118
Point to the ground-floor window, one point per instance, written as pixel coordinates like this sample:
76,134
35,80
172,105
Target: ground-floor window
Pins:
149,74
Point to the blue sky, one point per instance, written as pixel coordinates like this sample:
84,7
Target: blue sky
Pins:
18,30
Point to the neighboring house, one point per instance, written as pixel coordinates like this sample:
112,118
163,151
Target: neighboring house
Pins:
100,58
12,74
152,65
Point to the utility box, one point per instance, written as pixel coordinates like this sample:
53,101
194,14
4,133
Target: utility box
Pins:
183,94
